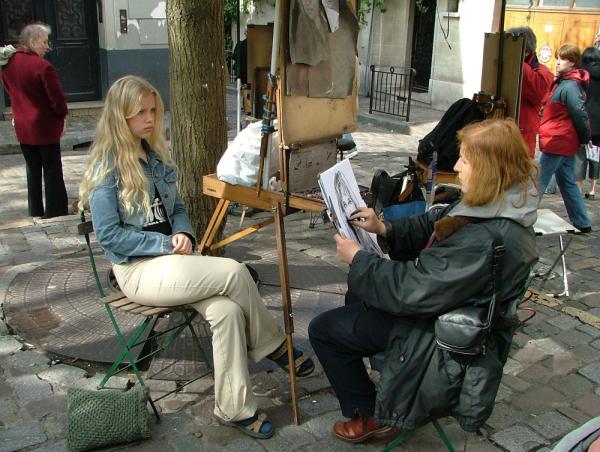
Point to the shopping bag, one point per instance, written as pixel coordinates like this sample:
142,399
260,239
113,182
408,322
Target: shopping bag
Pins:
592,152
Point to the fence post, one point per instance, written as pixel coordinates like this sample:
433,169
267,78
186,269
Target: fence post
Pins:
371,91
411,73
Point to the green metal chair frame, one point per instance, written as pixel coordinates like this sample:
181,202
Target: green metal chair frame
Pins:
402,437
151,315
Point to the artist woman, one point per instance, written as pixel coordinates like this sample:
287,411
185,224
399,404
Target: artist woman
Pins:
397,301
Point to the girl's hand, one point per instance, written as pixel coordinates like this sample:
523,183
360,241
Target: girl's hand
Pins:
366,218
181,244
346,248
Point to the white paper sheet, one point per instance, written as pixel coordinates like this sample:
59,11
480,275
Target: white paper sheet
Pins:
342,197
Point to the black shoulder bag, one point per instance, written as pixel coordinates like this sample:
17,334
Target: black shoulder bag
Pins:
464,330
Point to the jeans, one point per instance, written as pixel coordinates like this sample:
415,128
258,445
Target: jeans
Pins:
551,187
45,158
341,338
564,169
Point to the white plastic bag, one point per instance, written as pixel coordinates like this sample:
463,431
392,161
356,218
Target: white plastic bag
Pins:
240,161
592,152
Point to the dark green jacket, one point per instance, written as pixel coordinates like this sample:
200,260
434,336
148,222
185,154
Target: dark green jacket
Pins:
420,382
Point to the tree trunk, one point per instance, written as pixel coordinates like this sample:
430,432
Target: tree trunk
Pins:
197,79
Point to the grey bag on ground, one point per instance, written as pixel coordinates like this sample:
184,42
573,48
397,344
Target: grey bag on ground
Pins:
106,417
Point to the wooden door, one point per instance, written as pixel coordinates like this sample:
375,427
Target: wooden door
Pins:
74,39
554,28
422,45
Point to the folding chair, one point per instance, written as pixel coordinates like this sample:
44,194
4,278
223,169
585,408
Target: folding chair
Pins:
150,315
402,437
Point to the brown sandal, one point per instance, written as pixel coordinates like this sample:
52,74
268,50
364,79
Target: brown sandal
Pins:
253,426
303,364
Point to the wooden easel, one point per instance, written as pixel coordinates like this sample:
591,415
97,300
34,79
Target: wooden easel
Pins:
303,123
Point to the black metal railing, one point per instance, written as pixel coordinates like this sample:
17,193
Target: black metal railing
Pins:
229,61
391,90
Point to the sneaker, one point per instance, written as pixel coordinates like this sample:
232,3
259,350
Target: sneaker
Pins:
584,230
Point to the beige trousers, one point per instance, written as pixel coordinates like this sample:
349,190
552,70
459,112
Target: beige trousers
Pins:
224,293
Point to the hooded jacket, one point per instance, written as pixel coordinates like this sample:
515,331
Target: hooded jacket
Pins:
535,87
565,123
5,53
420,382
37,99
592,104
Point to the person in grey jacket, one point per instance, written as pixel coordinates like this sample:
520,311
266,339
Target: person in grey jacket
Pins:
392,305
141,223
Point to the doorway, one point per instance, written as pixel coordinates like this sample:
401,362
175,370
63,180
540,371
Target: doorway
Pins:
422,44
74,40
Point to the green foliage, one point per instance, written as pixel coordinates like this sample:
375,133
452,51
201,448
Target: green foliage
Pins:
365,9
421,7
230,12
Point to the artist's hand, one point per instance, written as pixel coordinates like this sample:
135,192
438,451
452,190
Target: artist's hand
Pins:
181,244
366,218
346,248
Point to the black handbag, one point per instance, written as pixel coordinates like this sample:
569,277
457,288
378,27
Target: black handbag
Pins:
398,195
464,330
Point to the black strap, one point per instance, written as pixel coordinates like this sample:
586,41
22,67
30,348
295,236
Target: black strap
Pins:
497,266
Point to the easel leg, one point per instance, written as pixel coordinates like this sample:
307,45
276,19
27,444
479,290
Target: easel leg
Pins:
565,293
213,225
286,302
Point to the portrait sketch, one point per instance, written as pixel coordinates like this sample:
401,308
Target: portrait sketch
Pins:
342,197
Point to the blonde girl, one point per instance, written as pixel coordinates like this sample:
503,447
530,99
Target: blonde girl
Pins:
142,225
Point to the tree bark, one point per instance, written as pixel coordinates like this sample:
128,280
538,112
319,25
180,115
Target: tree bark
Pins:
197,79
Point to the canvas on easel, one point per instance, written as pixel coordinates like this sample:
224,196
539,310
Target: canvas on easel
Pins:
511,73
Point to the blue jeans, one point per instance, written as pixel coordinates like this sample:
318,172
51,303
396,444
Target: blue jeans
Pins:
563,168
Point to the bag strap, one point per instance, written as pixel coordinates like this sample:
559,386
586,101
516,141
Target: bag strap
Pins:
497,267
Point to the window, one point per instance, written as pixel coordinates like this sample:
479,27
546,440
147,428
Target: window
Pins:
564,3
453,6
587,4
521,2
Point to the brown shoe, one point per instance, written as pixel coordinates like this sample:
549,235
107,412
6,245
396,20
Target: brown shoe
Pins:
359,429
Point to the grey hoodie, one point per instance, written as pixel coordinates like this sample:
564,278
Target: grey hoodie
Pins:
5,53
512,207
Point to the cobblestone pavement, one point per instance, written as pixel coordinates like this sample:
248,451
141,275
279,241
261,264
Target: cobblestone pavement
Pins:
551,383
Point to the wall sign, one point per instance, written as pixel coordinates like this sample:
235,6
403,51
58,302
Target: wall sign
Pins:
123,20
545,53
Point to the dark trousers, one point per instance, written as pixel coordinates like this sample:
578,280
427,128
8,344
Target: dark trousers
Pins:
45,159
341,338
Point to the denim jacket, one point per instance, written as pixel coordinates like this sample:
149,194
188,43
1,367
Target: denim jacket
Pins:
122,237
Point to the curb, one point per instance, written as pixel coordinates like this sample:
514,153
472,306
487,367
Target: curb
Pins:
388,124
66,144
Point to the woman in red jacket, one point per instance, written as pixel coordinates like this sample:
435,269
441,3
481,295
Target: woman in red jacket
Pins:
39,109
564,127
535,86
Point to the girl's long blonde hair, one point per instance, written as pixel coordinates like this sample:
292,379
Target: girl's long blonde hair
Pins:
115,148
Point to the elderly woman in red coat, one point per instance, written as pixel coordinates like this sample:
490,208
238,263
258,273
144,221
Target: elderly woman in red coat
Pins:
39,109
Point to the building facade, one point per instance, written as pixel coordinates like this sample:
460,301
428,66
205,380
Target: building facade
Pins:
96,41
443,40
